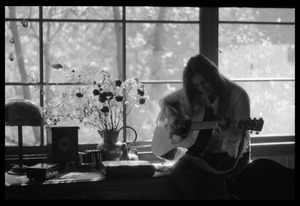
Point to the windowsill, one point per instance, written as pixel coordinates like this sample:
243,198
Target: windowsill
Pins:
266,146
90,185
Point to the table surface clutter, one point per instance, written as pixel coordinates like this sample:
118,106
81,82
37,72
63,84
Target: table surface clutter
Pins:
117,180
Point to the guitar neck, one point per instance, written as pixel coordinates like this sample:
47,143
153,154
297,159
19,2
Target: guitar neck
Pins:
209,124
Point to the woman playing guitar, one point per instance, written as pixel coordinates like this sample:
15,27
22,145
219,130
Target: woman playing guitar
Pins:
215,153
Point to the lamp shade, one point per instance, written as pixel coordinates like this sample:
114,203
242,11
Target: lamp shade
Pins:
23,112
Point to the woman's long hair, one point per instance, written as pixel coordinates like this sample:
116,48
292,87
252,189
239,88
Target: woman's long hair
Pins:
200,64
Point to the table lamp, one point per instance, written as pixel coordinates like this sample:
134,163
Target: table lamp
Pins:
22,112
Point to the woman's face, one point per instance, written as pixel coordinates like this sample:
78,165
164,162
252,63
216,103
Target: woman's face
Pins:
201,84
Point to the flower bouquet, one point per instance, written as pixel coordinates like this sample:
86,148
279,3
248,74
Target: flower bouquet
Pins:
100,103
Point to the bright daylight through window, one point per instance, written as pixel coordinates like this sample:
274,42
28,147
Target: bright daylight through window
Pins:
256,48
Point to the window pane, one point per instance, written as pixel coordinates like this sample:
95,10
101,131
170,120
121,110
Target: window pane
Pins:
250,51
160,51
162,13
275,103
257,14
26,12
143,118
81,12
21,52
82,47
31,136
22,92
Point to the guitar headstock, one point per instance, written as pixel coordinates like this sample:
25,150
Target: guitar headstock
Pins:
252,124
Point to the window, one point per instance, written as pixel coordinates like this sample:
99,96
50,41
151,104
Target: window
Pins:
258,51
256,48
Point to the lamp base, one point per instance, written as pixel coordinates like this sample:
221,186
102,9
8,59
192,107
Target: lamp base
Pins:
18,170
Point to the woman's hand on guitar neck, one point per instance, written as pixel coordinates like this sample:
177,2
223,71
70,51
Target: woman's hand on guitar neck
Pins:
222,130
232,134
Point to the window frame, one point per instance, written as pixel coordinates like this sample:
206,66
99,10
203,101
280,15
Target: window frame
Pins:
208,40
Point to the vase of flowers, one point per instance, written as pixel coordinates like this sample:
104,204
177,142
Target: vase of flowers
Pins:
101,103
111,148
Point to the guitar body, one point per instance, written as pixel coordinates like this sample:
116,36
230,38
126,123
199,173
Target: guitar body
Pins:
162,143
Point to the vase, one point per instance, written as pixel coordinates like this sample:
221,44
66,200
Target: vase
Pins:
111,148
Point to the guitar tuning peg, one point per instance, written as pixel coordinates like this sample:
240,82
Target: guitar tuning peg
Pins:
257,132
250,131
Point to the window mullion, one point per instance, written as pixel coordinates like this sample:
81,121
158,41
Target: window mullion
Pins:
209,30
124,63
41,69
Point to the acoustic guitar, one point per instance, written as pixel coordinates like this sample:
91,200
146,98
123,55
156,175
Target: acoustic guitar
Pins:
164,142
